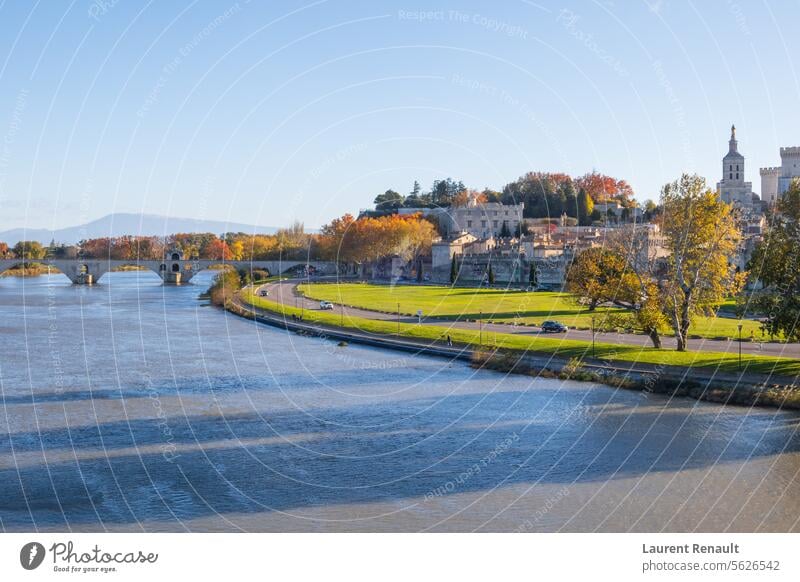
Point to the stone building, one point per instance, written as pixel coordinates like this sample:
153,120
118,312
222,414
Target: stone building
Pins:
732,188
481,220
775,181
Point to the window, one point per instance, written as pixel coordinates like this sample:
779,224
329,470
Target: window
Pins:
483,223
469,224
494,223
730,176
737,175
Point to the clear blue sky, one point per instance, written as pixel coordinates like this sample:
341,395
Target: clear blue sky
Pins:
269,112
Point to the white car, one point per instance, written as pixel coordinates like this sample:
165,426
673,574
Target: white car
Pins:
326,305
263,293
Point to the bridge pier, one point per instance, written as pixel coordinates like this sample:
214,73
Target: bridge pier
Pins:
173,278
82,272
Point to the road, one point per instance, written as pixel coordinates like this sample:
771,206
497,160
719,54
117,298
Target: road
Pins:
284,292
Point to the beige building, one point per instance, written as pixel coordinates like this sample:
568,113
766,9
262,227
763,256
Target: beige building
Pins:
482,220
775,181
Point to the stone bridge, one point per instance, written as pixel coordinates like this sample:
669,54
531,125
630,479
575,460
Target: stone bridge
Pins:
173,269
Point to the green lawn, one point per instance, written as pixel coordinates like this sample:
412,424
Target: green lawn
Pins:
498,305
561,347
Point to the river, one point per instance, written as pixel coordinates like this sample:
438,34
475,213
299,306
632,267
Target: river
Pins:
132,406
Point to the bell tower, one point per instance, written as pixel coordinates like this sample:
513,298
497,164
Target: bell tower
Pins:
732,188
733,162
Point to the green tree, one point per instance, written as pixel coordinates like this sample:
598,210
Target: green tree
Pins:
453,270
490,275
444,191
492,195
389,200
650,210
29,250
533,276
225,285
570,200
775,264
585,208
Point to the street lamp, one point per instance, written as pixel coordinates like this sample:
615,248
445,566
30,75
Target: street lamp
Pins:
740,345
398,319
593,336
341,319
480,328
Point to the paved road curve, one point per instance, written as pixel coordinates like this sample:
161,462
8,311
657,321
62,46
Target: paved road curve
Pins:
284,292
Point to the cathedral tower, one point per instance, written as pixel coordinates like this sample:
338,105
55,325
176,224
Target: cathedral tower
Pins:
732,188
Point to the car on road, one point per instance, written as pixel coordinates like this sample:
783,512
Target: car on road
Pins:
550,326
263,292
326,305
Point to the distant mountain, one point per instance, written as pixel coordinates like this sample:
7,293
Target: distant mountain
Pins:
129,223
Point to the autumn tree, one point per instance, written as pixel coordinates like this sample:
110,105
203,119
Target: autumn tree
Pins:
701,238
371,238
293,242
602,188
595,276
215,249
332,239
464,198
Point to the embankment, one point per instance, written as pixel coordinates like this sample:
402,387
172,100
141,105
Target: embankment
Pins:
711,384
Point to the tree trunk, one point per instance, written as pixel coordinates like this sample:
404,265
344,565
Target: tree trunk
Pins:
655,338
592,304
683,338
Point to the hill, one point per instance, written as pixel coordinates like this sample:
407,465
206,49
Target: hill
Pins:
119,224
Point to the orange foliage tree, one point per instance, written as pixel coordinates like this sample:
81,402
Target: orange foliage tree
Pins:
603,188
371,239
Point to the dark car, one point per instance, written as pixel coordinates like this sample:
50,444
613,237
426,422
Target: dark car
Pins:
553,327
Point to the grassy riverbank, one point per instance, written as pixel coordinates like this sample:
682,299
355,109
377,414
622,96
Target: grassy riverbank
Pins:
544,345
499,306
738,393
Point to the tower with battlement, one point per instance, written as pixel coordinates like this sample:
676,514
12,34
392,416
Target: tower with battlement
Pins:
776,180
769,184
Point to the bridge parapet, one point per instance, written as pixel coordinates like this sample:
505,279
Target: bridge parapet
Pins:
171,271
